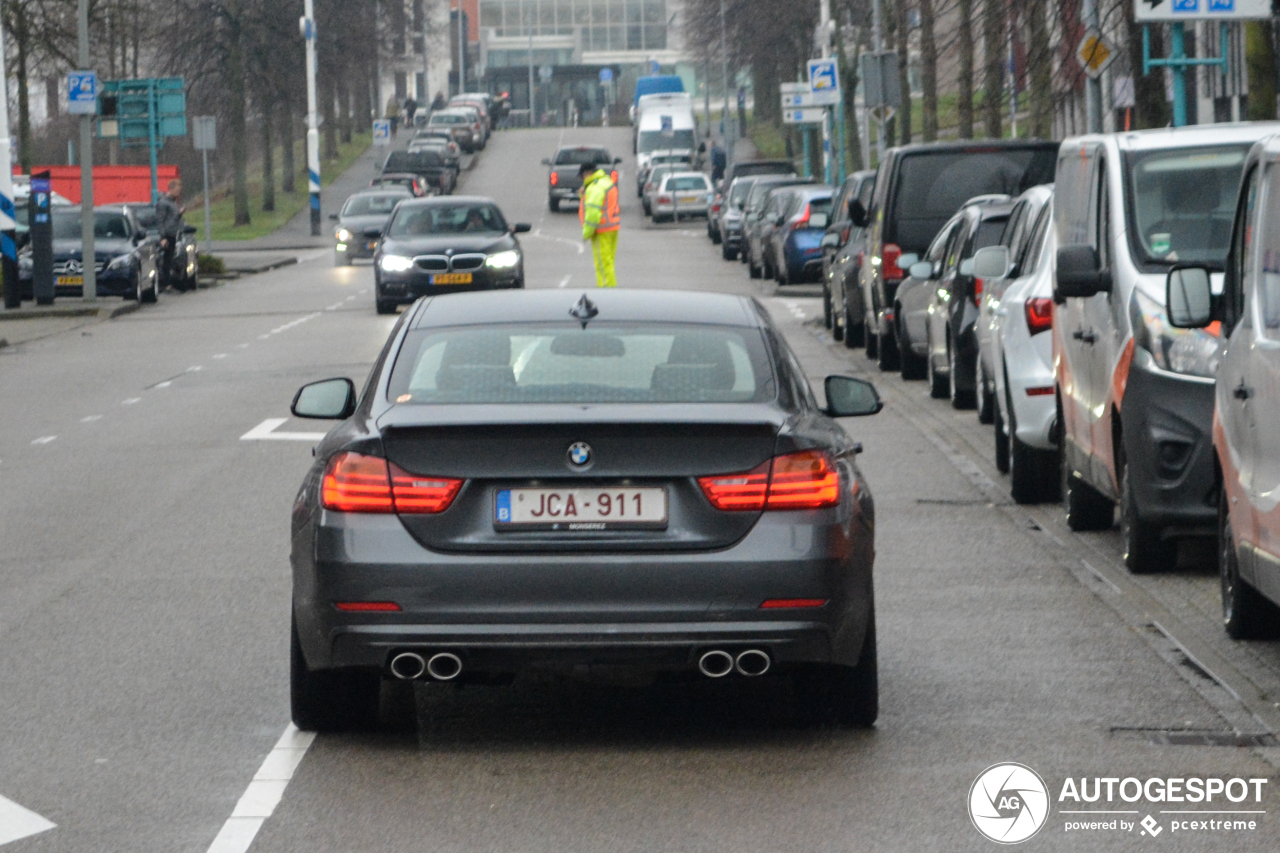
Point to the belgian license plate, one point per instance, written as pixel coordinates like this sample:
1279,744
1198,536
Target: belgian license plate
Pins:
580,510
451,278
68,280
688,199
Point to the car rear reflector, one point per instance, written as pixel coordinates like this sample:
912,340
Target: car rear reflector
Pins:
1040,391
804,480
354,482
1039,314
778,603
420,495
371,606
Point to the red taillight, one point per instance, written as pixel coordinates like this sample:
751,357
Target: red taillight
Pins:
354,482
861,255
1040,391
415,495
803,221
555,179
977,291
774,603
804,480
889,255
367,606
1039,314
664,199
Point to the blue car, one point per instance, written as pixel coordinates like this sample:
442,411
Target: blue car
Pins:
795,243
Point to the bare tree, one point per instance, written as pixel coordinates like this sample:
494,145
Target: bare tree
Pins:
993,52
964,71
928,74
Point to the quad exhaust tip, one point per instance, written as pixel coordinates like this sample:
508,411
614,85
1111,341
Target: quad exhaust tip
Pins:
715,663
408,666
752,662
444,666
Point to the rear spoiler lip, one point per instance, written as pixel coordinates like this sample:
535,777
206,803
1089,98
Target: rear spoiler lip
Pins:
404,416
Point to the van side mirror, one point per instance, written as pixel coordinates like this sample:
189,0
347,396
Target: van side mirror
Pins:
333,217
329,399
1079,273
857,213
848,397
830,240
906,259
921,270
546,162
1189,298
991,262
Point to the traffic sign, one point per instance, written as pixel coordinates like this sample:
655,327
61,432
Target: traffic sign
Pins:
1095,53
82,92
1199,10
382,131
204,133
606,74
793,100
824,81
807,115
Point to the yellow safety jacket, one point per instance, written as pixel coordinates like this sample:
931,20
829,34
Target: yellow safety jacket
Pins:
599,208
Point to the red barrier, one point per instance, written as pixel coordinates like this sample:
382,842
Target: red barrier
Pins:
111,184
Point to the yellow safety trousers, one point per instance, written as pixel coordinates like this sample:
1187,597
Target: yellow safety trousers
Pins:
604,245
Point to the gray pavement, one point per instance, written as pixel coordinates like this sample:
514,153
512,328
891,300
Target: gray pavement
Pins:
144,615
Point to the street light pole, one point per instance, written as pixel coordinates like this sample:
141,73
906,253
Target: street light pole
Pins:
88,256
729,127
877,46
1092,85
313,119
462,53
9,248
824,38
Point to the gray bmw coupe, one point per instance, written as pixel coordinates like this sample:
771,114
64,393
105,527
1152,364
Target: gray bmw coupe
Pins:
629,477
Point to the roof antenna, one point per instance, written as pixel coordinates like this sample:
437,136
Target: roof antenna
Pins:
584,310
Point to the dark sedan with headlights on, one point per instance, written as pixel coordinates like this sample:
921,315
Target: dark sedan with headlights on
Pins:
630,478
447,244
361,221
125,256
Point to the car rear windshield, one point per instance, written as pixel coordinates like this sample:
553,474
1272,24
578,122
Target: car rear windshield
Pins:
412,161
578,156
932,186
106,226
1182,202
738,195
656,140
563,363
763,169
686,183
450,118
463,218
372,205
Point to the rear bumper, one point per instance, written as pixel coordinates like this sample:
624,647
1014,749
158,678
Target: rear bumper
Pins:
500,612
1168,442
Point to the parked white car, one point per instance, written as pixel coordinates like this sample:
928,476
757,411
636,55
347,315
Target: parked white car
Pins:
1018,317
682,194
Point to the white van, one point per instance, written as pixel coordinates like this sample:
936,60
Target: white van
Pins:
1134,395
664,125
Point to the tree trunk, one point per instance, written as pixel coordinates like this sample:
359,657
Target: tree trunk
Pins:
1260,59
848,87
239,142
22,38
1151,109
288,168
928,73
327,99
1040,70
904,68
993,50
344,106
768,109
268,159
964,70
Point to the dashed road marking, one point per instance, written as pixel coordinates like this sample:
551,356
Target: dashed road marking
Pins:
262,796
564,281
90,419
220,355
265,431
195,369
164,384
131,401
45,439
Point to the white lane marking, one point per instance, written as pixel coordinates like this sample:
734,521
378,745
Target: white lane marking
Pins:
242,346
17,822
538,233
311,256
194,369
45,439
164,384
265,431
131,401
334,307
220,355
287,326
264,792
90,419
349,298
261,338
564,281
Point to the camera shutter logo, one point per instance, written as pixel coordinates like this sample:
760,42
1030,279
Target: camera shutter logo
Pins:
1008,803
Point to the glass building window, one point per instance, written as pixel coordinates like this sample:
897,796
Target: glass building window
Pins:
605,24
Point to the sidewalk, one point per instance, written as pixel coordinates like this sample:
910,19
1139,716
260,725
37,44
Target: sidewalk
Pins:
41,321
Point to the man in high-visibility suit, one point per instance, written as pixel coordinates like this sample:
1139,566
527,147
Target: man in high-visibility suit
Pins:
601,219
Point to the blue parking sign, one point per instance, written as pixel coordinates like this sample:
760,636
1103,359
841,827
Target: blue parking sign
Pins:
1222,5
82,92
1191,6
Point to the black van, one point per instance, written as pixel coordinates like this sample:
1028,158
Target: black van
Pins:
917,189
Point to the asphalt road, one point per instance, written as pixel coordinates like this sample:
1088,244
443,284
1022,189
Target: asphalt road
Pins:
144,599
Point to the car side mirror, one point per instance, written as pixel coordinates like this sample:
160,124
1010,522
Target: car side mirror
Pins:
1079,273
849,397
991,262
333,216
966,267
830,241
778,222
329,399
189,229
702,147
546,162
921,270
521,228
906,259
139,235
617,160
1189,298
857,213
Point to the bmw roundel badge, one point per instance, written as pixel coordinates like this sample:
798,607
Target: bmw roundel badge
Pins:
579,454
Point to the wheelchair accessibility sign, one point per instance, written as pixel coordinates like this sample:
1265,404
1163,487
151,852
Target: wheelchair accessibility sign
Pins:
824,81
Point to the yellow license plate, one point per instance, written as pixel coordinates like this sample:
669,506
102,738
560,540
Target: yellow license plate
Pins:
451,278
77,280
688,199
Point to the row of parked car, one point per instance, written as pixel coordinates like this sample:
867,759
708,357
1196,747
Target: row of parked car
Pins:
1110,304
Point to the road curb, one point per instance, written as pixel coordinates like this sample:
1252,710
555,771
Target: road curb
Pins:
53,312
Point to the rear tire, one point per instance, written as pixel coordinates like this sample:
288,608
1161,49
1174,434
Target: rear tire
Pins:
554,204
330,700
986,396
910,365
754,270
1246,615
960,399
939,386
887,353
727,253
385,306
854,333
845,695
1002,443
827,319
871,340
1144,550
1030,469
1086,508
